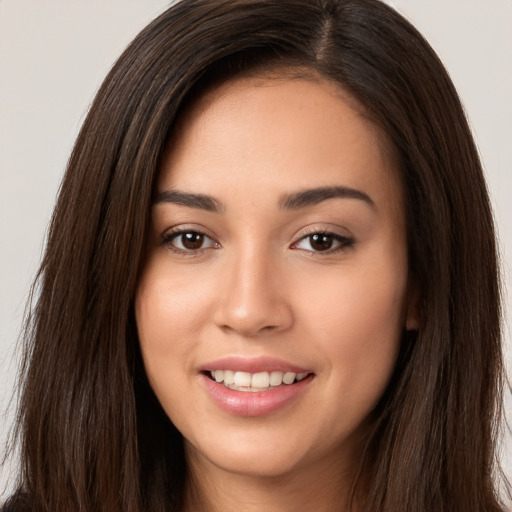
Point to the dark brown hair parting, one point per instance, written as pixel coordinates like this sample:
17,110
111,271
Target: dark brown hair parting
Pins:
92,435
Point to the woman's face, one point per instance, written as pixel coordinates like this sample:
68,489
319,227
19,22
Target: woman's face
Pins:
275,290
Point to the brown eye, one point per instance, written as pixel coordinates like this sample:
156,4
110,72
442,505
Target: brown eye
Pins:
321,242
192,240
188,241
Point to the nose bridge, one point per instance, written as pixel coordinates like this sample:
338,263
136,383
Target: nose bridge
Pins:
252,299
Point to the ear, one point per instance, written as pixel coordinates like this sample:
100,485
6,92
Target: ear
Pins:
412,311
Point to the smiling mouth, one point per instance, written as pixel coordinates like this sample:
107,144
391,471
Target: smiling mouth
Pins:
255,382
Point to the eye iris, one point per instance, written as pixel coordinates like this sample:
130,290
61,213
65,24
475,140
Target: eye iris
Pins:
321,242
192,240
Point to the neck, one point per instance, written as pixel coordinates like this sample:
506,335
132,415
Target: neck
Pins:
323,487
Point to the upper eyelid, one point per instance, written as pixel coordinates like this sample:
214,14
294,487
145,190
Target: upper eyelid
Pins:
167,238
345,241
307,231
180,228
326,230
336,236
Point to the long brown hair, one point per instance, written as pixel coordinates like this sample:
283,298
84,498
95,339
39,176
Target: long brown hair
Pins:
92,435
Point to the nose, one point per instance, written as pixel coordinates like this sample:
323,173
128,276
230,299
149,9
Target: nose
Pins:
252,297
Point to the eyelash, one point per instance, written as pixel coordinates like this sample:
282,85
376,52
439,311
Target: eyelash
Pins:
169,237
343,241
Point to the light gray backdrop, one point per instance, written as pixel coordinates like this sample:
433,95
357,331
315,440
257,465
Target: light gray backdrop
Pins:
54,54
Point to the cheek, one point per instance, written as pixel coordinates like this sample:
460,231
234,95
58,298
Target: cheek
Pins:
356,302
357,320
167,319
168,307
161,324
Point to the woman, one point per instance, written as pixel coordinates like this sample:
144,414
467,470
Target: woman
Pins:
270,279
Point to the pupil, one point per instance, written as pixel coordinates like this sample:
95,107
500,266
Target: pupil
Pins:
321,242
192,240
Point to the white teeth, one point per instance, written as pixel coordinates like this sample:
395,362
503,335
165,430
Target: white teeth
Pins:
276,378
229,377
289,377
260,380
244,381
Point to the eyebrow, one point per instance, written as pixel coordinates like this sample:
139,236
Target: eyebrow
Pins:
314,196
201,201
293,201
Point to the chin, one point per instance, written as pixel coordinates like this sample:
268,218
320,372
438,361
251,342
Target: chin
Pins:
252,457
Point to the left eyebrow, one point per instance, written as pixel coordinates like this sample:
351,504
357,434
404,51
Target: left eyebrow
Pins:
313,196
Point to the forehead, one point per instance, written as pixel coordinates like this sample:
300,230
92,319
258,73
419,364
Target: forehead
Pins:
280,131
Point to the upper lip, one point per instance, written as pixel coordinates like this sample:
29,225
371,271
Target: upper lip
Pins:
252,365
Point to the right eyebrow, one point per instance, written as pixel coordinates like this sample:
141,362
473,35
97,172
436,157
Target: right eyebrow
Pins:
201,201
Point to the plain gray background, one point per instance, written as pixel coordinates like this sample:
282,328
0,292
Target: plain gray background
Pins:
54,54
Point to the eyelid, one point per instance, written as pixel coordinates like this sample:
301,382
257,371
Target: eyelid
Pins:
186,228
344,241
170,234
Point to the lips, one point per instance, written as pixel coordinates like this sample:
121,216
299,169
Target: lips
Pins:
254,387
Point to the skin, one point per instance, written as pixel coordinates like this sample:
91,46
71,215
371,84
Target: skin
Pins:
257,287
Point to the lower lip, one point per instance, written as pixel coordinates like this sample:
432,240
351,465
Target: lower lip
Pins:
258,403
